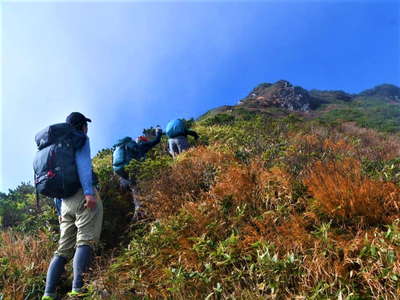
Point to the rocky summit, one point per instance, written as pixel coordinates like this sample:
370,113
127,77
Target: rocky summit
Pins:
280,94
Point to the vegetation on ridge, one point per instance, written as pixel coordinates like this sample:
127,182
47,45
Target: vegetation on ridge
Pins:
268,204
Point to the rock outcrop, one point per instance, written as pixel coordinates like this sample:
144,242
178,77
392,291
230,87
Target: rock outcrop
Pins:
280,94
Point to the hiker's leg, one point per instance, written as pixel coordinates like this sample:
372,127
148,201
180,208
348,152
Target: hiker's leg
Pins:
170,147
68,229
127,185
136,203
124,184
64,251
124,181
173,149
89,223
54,272
182,144
80,265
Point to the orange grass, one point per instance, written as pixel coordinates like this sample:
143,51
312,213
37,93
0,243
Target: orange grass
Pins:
27,259
342,191
253,185
186,181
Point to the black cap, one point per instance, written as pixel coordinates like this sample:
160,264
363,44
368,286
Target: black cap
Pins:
76,118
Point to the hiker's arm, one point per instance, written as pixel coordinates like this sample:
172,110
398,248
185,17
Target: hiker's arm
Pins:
84,166
192,133
148,145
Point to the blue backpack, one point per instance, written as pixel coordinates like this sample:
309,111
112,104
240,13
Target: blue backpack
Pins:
124,152
175,128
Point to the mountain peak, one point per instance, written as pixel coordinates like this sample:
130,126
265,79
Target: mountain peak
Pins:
279,94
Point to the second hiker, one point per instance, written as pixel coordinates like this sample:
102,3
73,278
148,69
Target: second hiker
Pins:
127,149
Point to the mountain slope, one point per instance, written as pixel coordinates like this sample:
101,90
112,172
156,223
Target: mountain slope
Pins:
270,203
386,91
270,208
377,108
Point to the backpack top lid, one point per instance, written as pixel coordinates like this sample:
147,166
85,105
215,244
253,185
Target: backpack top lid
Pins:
175,128
57,132
124,141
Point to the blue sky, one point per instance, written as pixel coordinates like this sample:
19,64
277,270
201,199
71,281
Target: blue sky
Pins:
130,65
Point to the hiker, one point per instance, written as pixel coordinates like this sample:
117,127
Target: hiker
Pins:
126,150
177,136
82,212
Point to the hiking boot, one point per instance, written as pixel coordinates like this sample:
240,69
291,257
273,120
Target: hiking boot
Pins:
78,295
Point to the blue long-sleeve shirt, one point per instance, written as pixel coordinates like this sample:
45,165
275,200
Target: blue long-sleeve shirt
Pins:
84,168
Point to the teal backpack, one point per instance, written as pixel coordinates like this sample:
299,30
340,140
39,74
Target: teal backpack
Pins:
124,152
175,128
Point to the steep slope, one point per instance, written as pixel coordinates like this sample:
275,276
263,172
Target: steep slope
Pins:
271,207
270,203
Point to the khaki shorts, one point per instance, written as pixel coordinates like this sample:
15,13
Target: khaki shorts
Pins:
79,225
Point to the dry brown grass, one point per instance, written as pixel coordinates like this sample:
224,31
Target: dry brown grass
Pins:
372,144
186,181
26,261
253,185
342,191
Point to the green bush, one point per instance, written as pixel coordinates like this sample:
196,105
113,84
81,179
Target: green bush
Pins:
219,119
368,112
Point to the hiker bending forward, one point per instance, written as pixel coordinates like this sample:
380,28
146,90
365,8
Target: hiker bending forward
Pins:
80,221
177,137
126,150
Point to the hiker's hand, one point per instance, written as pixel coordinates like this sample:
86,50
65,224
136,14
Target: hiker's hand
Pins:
91,201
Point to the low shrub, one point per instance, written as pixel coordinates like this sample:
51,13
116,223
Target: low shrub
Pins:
23,264
343,192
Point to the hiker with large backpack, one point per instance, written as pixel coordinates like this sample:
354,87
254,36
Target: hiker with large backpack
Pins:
177,136
127,149
63,169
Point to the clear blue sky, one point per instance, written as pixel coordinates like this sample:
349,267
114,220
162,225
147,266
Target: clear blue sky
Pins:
132,65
